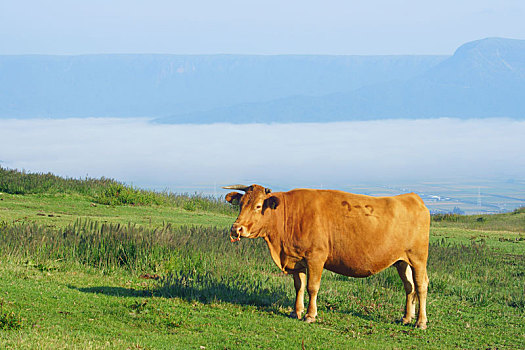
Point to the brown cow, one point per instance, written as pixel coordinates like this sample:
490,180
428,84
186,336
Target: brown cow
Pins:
354,235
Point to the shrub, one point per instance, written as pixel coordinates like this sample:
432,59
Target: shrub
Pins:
520,210
118,194
446,217
8,319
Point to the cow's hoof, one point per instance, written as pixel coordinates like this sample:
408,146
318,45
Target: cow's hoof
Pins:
295,315
405,320
309,319
421,325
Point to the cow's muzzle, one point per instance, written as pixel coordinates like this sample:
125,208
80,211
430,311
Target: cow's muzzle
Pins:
236,232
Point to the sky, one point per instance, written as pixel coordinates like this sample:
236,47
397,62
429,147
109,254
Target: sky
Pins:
197,157
341,27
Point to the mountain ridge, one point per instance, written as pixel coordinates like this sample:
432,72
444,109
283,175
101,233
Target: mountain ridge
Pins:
483,79
161,85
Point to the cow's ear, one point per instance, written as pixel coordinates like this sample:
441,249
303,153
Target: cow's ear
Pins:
272,202
234,197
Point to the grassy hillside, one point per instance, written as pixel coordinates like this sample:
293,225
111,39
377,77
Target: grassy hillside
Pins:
75,273
103,191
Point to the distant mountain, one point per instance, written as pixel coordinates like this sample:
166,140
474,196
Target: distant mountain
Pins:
484,78
164,85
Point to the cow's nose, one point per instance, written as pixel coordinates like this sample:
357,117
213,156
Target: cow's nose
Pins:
235,233
236,230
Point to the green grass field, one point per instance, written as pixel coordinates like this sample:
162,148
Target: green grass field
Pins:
160,272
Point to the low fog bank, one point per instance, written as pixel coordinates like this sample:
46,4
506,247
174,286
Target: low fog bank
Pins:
203,157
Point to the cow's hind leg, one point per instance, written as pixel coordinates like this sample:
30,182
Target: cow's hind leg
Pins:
299,282
405,272
421,282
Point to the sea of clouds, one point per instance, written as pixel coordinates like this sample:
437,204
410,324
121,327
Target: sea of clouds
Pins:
203,157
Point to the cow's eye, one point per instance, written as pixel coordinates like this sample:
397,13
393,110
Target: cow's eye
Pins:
258,207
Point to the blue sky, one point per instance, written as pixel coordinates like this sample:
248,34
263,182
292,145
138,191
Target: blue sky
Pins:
254,27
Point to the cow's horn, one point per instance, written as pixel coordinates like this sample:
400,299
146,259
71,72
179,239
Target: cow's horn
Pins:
237,187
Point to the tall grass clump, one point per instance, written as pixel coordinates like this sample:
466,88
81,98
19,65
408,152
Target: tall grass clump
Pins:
197,263
21,182
108,245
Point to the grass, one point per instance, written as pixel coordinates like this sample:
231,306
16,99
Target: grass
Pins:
223,295
154,276
104,191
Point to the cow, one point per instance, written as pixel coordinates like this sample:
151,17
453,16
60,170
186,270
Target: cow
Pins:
309,230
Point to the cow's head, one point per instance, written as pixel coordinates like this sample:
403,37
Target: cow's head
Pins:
255,205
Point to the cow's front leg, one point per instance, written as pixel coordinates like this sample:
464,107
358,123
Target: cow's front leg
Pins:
315,270
299,282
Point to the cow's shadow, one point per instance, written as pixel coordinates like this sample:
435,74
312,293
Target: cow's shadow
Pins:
266,299
273,301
